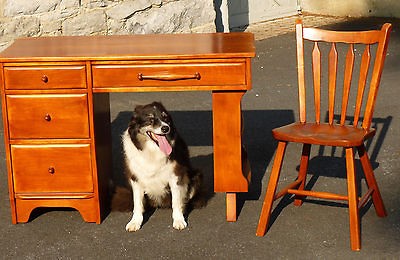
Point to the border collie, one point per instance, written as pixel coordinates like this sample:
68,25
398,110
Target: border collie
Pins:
157,165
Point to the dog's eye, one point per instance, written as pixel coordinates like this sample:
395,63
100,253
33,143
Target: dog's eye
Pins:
150,118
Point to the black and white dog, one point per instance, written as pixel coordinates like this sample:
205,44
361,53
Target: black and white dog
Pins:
158,166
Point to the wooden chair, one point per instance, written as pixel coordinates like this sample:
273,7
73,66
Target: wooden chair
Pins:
350,136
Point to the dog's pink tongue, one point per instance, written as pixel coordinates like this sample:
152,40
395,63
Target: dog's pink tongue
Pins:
163,144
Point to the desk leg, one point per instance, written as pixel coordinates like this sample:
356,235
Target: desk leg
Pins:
231,210
227,141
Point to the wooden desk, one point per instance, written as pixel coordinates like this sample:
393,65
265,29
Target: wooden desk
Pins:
56,111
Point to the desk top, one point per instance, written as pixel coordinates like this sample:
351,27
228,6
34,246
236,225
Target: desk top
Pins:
131,47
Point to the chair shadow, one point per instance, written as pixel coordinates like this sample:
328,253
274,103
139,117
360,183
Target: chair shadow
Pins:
331,163
195,127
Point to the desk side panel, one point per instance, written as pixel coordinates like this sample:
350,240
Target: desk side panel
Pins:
7,147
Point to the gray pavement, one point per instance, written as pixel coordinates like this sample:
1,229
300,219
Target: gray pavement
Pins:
313,231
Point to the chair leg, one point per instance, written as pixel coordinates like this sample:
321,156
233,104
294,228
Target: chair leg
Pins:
371,182
271,189
305,155
353,201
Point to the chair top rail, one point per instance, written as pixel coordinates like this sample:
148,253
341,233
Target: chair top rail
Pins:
363,37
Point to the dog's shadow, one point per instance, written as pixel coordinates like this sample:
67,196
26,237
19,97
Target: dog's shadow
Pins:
121,192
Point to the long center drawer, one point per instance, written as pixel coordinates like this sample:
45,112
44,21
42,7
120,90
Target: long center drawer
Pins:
169,74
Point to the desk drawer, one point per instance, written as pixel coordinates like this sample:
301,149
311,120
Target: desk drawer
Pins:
48,116
51,77
52,168
159,75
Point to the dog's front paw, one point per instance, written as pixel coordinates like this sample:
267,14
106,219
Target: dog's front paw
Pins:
135,224
179,224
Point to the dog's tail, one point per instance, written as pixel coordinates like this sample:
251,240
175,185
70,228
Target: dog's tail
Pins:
198,193
122,199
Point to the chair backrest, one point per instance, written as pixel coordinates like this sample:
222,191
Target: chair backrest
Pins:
371,43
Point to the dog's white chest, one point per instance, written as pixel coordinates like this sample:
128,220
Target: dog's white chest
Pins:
151,167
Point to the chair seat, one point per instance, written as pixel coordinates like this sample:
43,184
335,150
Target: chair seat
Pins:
323,134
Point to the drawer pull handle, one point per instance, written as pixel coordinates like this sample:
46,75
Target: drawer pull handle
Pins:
45,79
47,117
167,77
52,170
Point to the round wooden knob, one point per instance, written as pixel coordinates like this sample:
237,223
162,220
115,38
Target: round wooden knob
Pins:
45,79
47,117
51,170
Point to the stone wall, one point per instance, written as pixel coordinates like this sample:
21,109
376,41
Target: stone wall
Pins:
29,18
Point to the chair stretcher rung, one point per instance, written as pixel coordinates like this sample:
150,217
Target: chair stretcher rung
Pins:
323,195
364,199
318,194
285,190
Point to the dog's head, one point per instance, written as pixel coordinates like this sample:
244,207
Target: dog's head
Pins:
153,122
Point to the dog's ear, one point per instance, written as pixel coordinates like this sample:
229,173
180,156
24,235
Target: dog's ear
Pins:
136,113
137,109
133,119
158,105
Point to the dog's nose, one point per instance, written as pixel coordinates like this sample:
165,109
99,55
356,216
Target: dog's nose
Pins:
165,129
